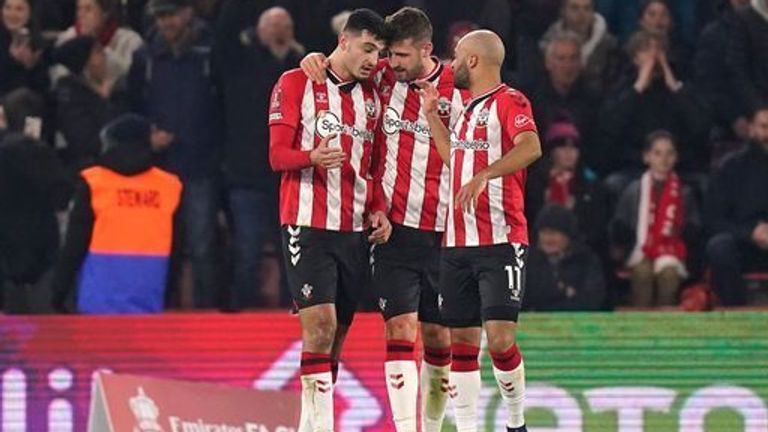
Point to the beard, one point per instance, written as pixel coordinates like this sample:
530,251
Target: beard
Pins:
461,77
404,75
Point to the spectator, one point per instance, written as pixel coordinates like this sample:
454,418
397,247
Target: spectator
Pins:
563,273
99,19
599,49
32,186
654,218
121,227
656,17
713,78
651,97
456,31
737,214
171,81
22,59
562,178
251,61
564,92
84,99
748,55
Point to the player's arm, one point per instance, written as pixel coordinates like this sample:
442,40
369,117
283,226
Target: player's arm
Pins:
526,151
440,133
284,118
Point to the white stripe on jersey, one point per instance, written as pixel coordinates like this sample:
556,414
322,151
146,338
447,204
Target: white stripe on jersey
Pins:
444,209
495,186
306,189
333,183
467,172
392,148
416,188
358,147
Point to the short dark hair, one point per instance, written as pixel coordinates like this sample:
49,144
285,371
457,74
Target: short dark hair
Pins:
361,20
646,3
657,135
20,104
408,23
642,39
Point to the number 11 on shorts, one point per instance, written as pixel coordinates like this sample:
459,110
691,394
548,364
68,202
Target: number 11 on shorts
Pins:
515,280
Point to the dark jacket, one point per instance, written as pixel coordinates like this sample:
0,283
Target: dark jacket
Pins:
573,282
737,198
748,58
579,105
712,76
591,206
628,117
33,184
80,115
14,75
176,92
124,160
248,71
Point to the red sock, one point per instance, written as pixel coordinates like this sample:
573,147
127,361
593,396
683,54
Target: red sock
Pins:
398,349
464,357
508,360
315,363
437,356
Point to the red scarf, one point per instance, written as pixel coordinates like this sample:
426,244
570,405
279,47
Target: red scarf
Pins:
666,220
106,34
559,189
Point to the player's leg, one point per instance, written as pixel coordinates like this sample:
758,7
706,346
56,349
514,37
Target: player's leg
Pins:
312,279
395,281
501,279
436,337
345,313
461,312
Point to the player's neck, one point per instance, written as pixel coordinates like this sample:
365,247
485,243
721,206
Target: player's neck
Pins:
428,66
337,67
484,83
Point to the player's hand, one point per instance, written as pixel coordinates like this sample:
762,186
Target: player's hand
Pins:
314,66
327,157
381,227
466,199
429,96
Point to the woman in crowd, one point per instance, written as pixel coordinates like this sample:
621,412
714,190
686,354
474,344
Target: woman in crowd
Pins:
22,54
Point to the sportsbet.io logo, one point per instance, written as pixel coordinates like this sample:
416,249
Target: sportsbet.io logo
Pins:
394,124
327,123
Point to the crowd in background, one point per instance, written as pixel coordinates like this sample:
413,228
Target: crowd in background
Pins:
653,117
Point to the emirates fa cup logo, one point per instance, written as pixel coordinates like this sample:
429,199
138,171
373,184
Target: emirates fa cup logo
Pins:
146,412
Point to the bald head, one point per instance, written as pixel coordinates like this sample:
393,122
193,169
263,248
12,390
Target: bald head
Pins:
484,44
275,27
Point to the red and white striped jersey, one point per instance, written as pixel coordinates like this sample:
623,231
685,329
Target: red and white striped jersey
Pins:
337,199
484,133
412,175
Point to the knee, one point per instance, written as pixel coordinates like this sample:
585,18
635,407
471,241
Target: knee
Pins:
721,247
402,327
321,334
500,343
435,336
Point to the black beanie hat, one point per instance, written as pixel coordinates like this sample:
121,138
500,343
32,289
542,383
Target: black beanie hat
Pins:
74,53
126,130
558,218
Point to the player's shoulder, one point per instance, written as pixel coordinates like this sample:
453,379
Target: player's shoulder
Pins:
293,77
511,97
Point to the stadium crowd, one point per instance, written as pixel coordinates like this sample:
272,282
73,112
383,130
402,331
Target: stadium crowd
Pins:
653,188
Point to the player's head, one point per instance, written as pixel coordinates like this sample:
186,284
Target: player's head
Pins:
478,52
360,42
409,36
660,152
758,126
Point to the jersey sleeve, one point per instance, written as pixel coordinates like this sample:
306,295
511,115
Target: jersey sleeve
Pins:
516,114
285,103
